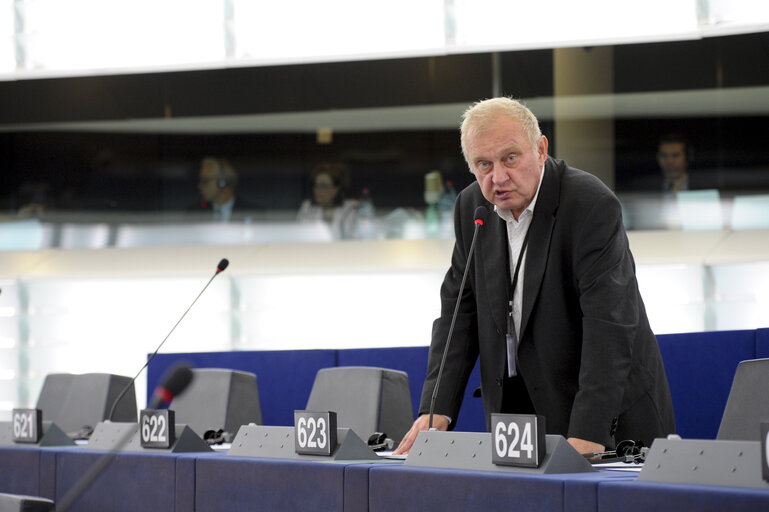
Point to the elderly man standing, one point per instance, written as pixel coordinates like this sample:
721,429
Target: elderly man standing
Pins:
551,304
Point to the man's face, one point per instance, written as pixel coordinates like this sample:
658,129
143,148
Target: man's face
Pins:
504,163
207,183
671,158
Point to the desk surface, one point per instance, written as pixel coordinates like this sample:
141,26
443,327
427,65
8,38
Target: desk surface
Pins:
215,481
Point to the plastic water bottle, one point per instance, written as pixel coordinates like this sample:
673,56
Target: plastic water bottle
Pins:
432,221
446,209
433,194
366,212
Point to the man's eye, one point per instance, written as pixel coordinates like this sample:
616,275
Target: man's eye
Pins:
510,159
483,166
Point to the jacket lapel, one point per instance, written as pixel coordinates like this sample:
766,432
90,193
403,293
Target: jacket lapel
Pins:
539,240
494,265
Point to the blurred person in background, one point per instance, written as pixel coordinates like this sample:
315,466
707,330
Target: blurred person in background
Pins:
673,158
217,183
328,202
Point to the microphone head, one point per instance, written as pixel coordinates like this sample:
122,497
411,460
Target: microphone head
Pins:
480,215
222,265
178,378
174,382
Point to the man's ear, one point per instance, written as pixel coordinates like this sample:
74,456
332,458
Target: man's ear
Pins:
542,150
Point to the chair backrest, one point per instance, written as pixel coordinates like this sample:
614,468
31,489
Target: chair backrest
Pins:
53,393
700,369
218,399
365,399
748,402
76,402
22,503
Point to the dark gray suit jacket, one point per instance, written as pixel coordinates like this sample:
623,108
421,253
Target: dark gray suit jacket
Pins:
586,353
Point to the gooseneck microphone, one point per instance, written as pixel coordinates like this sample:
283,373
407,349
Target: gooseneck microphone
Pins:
173,384
219,269
176,379
480,218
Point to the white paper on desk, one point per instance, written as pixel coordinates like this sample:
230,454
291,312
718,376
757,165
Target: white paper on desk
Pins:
389,455
620,466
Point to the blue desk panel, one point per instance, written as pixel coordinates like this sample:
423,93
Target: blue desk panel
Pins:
661,497
132,481
256,484
356,487
214,482
700,368
405,489
580,491
762,343
20,470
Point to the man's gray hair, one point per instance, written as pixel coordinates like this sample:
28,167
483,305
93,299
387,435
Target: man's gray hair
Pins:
478,117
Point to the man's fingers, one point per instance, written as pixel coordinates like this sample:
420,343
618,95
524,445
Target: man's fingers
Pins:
407,442
411,436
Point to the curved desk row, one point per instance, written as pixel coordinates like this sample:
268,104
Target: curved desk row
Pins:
216,482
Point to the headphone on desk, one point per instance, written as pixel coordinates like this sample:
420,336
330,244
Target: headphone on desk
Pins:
379,441
215,437
626,451
630,448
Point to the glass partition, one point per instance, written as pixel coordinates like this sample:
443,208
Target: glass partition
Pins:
128,168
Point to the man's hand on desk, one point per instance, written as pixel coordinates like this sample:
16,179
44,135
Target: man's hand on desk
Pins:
439,421
583,446
442,423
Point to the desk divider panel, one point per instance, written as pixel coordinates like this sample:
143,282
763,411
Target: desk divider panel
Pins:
278,443
52,435
124,437
472,450
704,461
